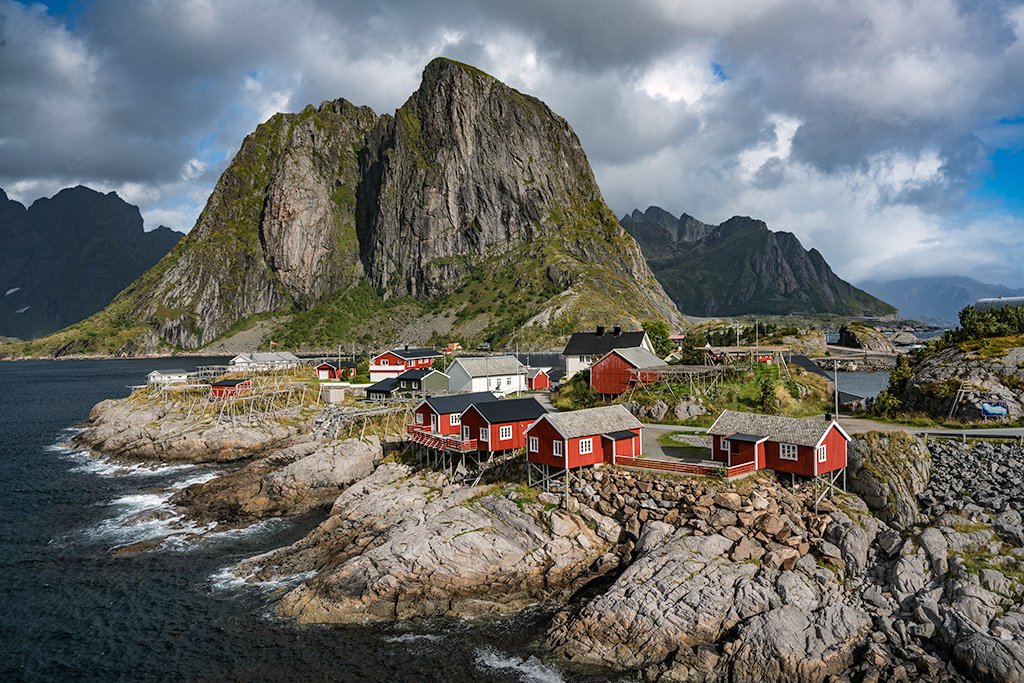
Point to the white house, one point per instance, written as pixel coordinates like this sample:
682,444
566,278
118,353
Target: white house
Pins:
586,348
269,360
500,374
165,377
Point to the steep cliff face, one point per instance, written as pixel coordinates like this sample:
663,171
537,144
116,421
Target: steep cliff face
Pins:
473,200
742,267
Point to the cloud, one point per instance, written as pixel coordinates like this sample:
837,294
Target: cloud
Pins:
864,128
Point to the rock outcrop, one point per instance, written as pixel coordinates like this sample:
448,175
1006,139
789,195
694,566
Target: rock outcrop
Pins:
954,383
306,474
162,431
742,267
470,182
402,545
888,471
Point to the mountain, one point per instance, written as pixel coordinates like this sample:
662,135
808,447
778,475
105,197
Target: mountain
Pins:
63,259
742,267
936,299
471,213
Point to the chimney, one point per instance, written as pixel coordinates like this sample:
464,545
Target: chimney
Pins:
616,331
406,347
600,331
828,416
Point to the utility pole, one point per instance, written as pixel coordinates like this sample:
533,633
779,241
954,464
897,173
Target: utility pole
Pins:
835,381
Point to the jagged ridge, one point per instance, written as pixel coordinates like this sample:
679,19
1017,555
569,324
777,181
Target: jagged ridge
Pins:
742,267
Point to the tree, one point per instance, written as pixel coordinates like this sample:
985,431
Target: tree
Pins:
657,330
768,402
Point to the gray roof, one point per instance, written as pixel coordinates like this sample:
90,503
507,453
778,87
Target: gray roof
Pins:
489,366
639,357
777,428
268,357
588,421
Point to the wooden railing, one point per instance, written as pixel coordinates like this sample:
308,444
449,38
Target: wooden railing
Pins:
441,442
685,467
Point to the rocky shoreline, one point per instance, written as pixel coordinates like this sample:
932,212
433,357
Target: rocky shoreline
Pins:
919,575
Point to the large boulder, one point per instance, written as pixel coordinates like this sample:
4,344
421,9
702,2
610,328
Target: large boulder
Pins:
864,336
888,471
955,383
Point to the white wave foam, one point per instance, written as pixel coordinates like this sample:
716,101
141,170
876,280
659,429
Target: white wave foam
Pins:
529,669
229,578
413,638
105,467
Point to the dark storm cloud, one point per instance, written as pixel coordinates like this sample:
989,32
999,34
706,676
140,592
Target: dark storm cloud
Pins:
835,120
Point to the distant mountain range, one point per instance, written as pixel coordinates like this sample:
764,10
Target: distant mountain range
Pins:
742,267
937,299
63,259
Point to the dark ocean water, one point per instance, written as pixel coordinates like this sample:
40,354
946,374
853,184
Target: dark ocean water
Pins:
70,610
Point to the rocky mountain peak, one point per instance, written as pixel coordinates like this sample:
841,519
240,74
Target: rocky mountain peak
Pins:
469,181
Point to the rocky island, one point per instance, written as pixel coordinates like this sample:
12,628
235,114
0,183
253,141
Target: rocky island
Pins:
914,575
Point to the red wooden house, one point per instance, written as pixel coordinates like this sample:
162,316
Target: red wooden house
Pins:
396,361
537,379
809,448
343,370
442,415
500,425
611,376
230,387
326,371
583,437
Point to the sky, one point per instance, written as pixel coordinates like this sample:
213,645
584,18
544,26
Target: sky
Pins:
887,134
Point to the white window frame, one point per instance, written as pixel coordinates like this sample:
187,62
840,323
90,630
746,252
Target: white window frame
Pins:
504,432
465,432
404,385
586,446
385,361
822,453
454,419
421,418
556,448
488,383
789,451
508,381
534,444
484,436
726,446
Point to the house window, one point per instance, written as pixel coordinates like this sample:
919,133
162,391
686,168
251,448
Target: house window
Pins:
787,451
385,361
488,382
534,444
403,384
454,419
556,447
508,381
586,446
483,434
725,445
822,452
421,418
505,433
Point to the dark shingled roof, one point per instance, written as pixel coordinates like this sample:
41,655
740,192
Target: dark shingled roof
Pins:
385,386
620,435
556,374
416,373
511,410
749,438
410,354
228,382
590,344
443,405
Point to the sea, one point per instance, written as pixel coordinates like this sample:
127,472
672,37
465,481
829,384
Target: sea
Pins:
72,608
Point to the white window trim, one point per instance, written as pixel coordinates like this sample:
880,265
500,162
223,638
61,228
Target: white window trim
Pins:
385,361
534,444
586,446
556,448
503,431
726,446
421,418
484,435
791,449
465,432
822,453
404,385
454,419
